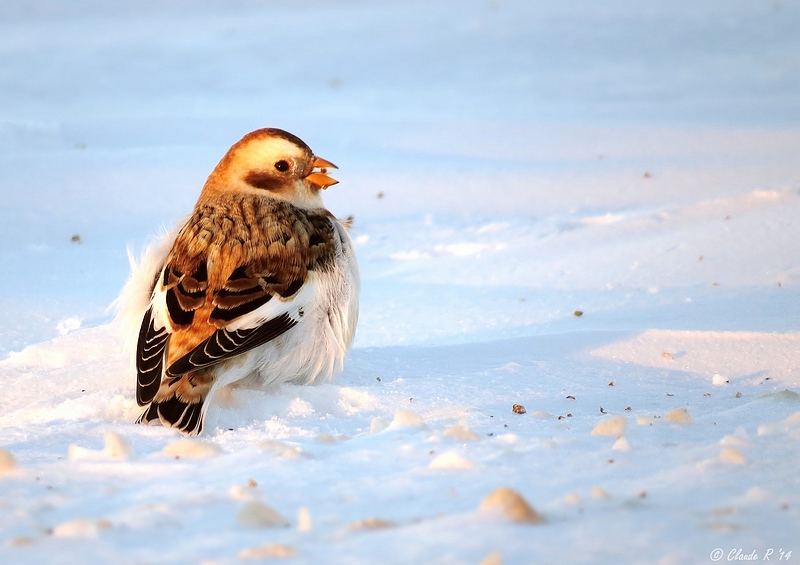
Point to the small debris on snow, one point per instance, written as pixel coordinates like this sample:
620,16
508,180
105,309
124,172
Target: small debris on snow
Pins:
757,494
330,438
518,409
77,453
783,396
723,527
407,418
19,541
668,356
613,426
267,551
238,492
80,528
732,456
281,449
7,461
598,492
304,520
116,446
794,419
509,439
451,460
494,558
578,313
510,504
733,440
621,444
738,438
719,380
371,524
191,448
256,514
377,425
726,511
678,416
767,429
772,428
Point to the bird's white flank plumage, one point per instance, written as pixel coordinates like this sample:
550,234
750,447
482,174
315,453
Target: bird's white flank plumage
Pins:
258,286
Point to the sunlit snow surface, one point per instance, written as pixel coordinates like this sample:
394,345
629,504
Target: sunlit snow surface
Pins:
509,166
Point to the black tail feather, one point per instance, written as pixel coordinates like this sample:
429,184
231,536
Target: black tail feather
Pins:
185,417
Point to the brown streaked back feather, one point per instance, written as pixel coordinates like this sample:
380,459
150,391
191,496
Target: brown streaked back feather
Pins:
233,256
252,249
185,293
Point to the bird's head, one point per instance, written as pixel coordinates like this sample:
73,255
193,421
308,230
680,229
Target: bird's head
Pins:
274,162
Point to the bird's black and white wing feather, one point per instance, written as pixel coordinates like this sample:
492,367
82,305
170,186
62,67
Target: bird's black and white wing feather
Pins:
193,324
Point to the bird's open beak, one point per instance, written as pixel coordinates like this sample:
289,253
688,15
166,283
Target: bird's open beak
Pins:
320,178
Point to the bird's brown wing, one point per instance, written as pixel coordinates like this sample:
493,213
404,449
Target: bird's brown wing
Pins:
249,283
169,322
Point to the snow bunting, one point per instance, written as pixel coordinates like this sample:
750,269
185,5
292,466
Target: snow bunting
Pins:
259,287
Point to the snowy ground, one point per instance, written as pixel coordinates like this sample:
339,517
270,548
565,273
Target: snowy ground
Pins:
508,165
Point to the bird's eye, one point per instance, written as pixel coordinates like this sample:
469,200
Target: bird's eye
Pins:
282,166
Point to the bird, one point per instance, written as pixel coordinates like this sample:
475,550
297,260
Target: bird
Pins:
258,287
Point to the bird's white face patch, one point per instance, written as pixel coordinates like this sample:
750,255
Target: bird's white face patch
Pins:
272,155
277,166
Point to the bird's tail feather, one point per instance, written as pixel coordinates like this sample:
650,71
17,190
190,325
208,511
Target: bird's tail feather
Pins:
180,403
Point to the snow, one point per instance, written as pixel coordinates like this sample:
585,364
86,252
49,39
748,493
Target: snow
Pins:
508,164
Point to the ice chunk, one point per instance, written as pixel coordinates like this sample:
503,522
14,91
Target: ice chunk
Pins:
510,504
613,426
191,449
451,460
256,514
